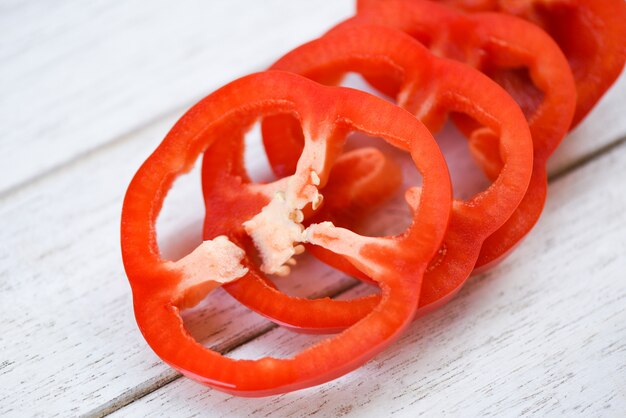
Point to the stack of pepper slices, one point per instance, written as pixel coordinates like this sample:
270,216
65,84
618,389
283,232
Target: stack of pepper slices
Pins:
514,77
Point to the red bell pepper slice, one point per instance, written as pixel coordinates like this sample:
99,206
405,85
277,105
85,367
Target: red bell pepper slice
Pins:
160,287
591,34
505,48
431,87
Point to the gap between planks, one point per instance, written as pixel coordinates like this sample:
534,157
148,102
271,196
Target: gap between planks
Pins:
112,143
171,375
585,160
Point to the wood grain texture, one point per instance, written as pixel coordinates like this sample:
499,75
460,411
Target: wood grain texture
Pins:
542,334
68,340
78,74
87,90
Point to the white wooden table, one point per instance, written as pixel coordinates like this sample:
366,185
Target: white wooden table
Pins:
87,91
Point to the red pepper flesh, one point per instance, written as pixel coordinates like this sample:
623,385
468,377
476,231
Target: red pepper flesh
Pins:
160,287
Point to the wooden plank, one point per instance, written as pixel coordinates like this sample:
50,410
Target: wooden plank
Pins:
76,75
542,334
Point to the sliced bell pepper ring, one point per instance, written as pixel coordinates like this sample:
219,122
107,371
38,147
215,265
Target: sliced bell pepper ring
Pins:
160,287
431,87
505,48
591,33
